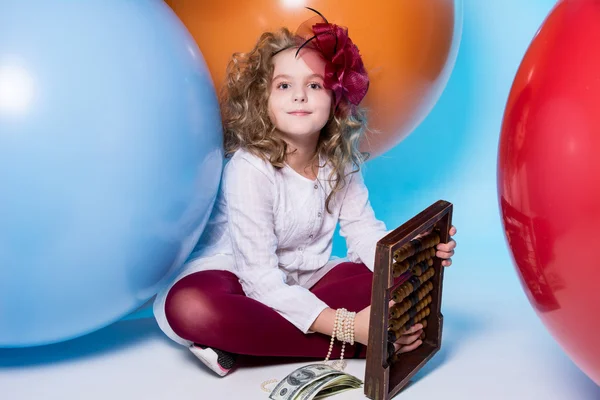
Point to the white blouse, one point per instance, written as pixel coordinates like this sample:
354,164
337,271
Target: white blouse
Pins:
270,227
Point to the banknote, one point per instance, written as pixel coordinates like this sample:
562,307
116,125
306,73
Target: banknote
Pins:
335,390
294,383
329,386
315,381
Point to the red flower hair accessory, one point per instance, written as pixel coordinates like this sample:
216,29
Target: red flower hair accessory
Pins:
345,73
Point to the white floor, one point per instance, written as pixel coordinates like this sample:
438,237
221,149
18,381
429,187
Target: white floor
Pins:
494,348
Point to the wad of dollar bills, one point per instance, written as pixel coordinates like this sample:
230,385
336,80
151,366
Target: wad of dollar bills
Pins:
314,381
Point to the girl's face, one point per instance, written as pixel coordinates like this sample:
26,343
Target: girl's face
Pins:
299,105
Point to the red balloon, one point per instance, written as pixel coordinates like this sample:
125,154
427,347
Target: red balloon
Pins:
549,177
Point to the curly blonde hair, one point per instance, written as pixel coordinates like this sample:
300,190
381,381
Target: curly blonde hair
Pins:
246,123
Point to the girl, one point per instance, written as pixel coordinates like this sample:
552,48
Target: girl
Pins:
260,281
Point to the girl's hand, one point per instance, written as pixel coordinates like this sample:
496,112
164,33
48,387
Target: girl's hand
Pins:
445,251
407,342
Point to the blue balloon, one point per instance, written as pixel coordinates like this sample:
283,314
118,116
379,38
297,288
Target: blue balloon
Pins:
110,161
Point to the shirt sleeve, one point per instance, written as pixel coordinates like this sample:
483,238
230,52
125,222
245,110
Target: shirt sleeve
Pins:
358,224
250,194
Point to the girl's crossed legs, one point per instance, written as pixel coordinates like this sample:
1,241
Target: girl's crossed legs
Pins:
211,309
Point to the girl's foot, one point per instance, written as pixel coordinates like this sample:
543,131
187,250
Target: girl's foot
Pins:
221,362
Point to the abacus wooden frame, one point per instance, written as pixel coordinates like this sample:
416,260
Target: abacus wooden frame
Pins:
383,380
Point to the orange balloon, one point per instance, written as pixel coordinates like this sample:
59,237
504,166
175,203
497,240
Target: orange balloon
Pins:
408,48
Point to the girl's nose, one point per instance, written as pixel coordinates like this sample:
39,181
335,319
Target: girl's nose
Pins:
299,96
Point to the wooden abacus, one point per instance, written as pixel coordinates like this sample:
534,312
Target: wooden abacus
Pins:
408,272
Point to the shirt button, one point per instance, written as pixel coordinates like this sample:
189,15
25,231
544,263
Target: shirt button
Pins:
300,249
319,214
316,187
310,237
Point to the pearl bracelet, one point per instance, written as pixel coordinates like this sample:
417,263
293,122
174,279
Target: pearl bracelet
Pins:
343,329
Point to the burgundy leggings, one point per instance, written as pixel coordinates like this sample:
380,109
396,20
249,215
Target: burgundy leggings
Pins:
210,308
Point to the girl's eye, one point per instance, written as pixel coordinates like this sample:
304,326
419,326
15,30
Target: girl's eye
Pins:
315,86
283,85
